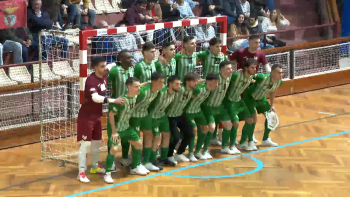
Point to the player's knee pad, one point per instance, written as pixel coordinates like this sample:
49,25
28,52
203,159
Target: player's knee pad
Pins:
85,147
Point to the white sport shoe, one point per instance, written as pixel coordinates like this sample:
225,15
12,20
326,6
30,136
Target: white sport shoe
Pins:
200,156
144,168
186,147
252,146
207,155
82,178
215,142
108,178
235,150
140,170
269,142
114,168
226,150
192,158
254,139
172,159
244,146
181,158
236,143
125,162
151,167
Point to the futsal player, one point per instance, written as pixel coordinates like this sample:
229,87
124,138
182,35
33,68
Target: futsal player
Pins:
194,114
141,121
145,68
169,69
234,104
89,117
118,76
160,122
213,108
256,102
178,121
119,116
186,61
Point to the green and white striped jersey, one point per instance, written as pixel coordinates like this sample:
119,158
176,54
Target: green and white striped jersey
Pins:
262,86
162,101
200,94
144,99
185,64
239,82
181,99
118,76
143,71
211,62
167,70
215,98
123,112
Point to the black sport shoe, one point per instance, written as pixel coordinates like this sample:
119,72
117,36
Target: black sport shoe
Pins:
157,164
167,162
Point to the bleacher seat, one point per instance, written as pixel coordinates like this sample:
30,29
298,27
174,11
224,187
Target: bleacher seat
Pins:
116,3
20,74
91,6
5,80
63,69
47,74
112,8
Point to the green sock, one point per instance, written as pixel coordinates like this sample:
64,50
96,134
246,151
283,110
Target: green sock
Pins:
164,153
125,148
200,139
225,137
146,155
266,132
191,145
245,132
153,156
109,162
136,157
233,136
251,133
207,141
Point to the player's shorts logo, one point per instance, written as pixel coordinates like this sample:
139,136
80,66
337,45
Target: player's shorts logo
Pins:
84,137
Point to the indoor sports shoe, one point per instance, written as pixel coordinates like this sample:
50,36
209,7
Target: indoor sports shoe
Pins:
244,146
226,150
181,158
139,170
149,166
268,142
167,162
144,168
114,168
192,158
200,156
98,170
125,162
157,164
172,159
235,150
82,178
215,142
187,147
207,155
254,139
252,146
108,178
236,143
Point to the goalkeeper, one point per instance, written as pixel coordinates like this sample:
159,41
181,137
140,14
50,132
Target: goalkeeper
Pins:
89,117
255,99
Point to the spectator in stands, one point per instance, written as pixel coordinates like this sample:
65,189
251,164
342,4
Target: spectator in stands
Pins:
212,7
191,3
231,9
255,27
103,44
245,7
185,9
169,10
276,19
239,28
12,41
84,10
204,33
38,20
137,14
255,6
102,24
68,10
151,10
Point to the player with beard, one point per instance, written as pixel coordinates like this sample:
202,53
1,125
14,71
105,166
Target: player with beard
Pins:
168,54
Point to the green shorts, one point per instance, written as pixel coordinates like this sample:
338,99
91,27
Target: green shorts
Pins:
254,106
194,118
210,113
160,125
234,108
129,134
141,124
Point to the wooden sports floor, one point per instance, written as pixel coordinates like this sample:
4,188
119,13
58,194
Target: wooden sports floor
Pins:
312,159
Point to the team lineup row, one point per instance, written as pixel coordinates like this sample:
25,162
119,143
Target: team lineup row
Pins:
186,105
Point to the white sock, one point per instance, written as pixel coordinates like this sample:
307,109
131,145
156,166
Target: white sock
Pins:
94,151
84,147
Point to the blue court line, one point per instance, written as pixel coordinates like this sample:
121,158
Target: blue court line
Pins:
204,163
260,165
